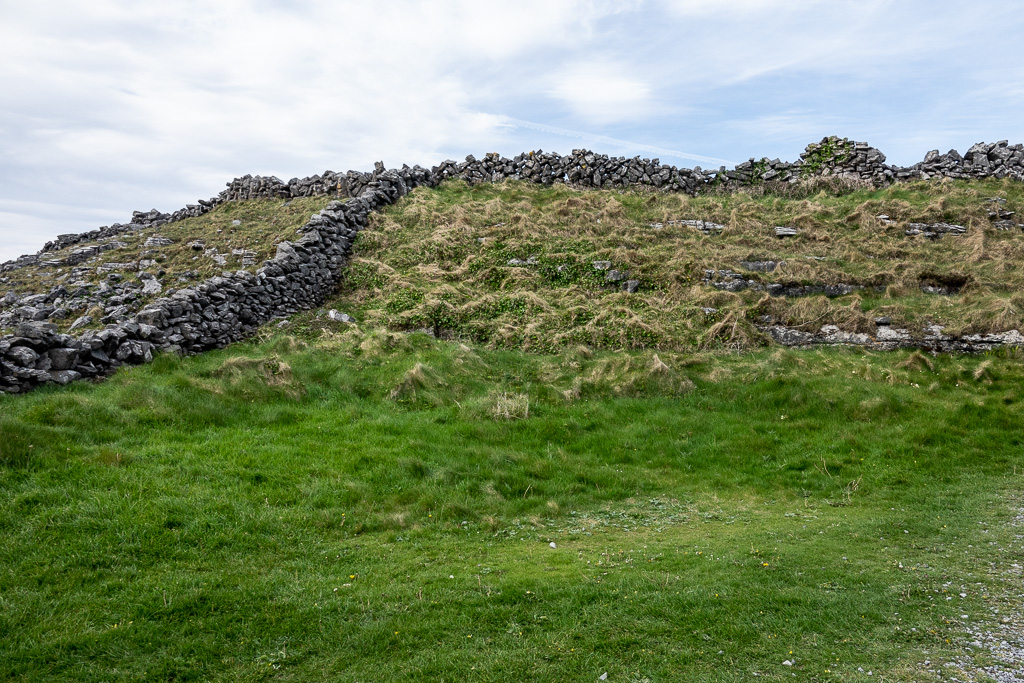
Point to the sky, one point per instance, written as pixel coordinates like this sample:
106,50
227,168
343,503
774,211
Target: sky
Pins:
110,106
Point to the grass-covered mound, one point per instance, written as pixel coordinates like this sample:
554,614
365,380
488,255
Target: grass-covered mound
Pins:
512,265
379,506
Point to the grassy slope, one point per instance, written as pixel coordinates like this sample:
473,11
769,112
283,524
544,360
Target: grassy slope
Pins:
360,506
263,223
439,259
358,510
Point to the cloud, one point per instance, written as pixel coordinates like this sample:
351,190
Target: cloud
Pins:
601,92
113,105
738,9
158,99
608,144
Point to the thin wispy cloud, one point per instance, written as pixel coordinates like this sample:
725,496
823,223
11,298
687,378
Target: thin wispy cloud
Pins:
613,143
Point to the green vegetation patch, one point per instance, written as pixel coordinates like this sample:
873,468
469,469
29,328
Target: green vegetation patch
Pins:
366,505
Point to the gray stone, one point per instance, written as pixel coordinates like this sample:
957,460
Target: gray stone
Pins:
80,322
760,266
23,356
151,286
286,253
63,358
65,376
36,330
32,313
340,317
781,231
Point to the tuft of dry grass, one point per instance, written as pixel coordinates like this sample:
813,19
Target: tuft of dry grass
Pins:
509,406
270,370
418,378
918,361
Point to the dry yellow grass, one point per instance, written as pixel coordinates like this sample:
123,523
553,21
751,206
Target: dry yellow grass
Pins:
511,265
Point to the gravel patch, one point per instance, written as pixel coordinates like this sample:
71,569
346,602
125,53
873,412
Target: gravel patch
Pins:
994,650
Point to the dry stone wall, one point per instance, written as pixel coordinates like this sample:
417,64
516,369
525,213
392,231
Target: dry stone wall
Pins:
212,314
303,273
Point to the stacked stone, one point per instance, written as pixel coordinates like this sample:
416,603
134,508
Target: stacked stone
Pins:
582,168
835,156
983,160
213,314
329,183
845,158
751,172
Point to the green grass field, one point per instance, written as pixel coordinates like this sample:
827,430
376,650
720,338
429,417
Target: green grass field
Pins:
367,506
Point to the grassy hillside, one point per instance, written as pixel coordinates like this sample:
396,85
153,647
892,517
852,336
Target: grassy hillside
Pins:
513,265
512,467
370,506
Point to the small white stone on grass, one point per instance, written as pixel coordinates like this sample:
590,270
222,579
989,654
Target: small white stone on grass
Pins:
552,544
340,317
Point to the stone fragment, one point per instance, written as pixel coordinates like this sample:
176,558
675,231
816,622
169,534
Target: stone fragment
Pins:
63,358
760,266
65,376
23,356
340,317
36,330
934,231
151,286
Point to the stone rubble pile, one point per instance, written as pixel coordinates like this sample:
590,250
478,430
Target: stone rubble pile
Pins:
934,231
983,160
229,307
731,281
887,338
706,227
